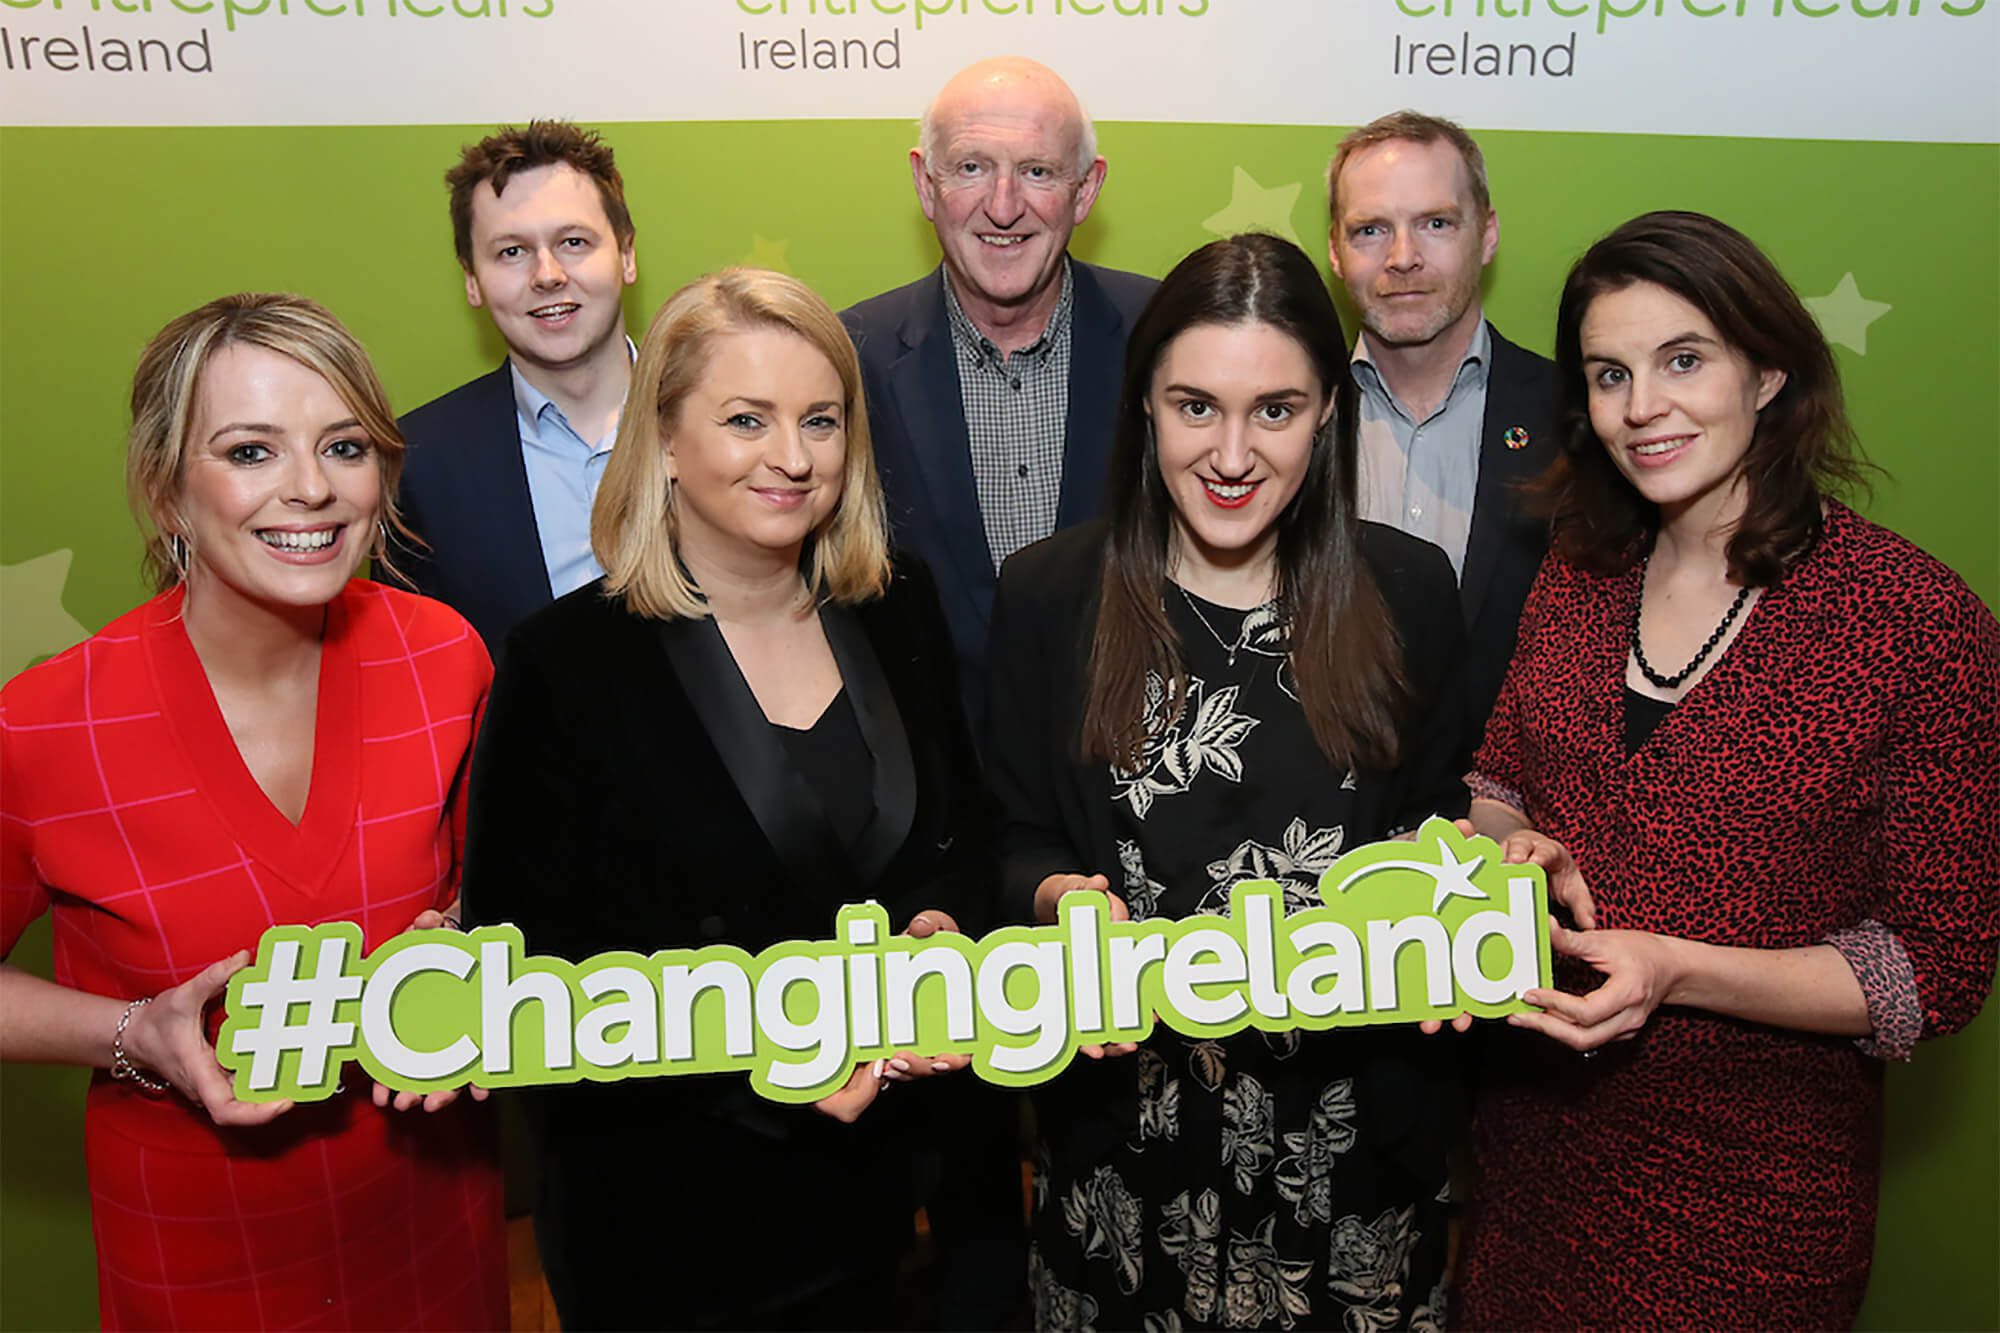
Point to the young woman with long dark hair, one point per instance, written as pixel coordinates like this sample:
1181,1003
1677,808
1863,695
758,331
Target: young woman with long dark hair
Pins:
1232,677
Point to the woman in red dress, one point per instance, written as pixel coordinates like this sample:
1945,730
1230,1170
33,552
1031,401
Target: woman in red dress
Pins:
269,741
1768,732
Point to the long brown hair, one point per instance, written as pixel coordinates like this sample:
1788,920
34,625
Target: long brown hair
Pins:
1345,656
1801,448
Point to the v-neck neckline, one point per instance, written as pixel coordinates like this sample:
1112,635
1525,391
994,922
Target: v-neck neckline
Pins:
305,853
1717,687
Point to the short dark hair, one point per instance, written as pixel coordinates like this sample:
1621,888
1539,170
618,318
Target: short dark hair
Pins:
544,143
1344,653
1409,127
1801,448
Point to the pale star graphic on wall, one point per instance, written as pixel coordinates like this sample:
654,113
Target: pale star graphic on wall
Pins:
1844,314
1252,207
767,253
32,620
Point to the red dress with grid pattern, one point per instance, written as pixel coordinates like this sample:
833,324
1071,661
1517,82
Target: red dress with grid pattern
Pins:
126,809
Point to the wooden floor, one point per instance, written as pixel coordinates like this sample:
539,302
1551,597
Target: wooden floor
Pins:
527,1294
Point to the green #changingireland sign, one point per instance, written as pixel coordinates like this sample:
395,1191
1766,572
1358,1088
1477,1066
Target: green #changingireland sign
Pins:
1404,931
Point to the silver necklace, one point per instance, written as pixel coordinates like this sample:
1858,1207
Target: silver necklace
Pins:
1230,648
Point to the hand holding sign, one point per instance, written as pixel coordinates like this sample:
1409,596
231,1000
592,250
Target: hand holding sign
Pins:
1048,895
1639,970
428,919
167,1035
905,1066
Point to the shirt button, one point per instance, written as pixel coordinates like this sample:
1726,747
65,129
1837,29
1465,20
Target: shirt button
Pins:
1416,511
1016,381
1021,471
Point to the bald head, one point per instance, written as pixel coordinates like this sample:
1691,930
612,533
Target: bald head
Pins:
1006,170
1015,83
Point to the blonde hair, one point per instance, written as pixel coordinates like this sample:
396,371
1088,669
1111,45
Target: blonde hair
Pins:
635,526
166,389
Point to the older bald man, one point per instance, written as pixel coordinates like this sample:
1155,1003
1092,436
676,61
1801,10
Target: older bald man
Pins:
992,382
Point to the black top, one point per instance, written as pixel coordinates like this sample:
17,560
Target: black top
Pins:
832,756
1643,716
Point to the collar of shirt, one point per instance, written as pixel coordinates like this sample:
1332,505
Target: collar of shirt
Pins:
1471,375
966,334
542,423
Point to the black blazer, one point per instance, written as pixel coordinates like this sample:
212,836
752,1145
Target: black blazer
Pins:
465,492
628,793
1057,815
1507,542
916,415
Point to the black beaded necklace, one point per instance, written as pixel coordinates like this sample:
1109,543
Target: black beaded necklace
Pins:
1673,682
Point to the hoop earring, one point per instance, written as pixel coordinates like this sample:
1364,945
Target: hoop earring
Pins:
177,551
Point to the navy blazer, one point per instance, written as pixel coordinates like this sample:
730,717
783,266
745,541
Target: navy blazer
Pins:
1508,539
916,415
465,492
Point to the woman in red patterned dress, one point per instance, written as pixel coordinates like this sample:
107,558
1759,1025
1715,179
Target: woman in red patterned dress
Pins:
268,741
1768,732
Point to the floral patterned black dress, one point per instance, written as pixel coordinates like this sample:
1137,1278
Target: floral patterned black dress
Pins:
1261,1181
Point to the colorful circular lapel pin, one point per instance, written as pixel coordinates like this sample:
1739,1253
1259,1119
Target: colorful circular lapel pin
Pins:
1516,437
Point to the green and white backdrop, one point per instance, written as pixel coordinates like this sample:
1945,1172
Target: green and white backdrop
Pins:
155,153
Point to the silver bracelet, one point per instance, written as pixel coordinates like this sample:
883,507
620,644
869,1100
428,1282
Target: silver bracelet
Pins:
122,1068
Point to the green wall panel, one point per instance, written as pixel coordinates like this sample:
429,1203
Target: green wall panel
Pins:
105,234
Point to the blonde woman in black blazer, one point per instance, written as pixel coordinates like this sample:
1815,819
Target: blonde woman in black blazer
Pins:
750,720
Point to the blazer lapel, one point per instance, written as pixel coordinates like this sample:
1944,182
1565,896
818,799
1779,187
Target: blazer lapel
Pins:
1502,470
1096,364
790,816
882,727
924,386
506,503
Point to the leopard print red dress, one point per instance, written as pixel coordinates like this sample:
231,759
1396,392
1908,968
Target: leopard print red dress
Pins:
1835,779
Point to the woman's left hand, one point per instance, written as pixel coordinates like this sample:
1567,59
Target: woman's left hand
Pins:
863,1086
428,919
1640,969
908,1066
